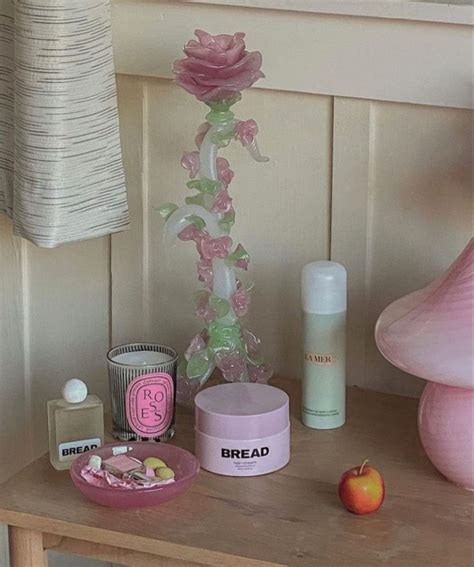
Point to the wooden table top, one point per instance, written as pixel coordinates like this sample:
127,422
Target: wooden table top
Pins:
291,517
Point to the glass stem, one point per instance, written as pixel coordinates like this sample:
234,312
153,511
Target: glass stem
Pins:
224,281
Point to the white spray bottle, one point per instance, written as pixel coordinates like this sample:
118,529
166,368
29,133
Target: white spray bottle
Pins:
324,297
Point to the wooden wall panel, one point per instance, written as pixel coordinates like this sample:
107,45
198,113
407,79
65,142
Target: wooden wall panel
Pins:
14,388
336,55
282,211
69,308
402,212
128,252
349,223
456,12
15,427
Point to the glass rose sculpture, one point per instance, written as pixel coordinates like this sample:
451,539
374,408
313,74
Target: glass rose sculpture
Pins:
215,70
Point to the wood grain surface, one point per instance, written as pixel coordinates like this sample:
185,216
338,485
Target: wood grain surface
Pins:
291,517
26,548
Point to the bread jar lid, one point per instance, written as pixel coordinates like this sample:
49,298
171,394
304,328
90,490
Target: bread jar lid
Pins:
242,411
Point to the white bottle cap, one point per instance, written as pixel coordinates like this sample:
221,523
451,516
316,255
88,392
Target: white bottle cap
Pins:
324,288
74,391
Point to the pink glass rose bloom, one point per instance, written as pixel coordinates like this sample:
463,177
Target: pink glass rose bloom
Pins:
217,67
190,161
260,374
203,309
197,344
224,173
215,247
192,233
240,301
222,202
252,344
232,366
245,131
205,273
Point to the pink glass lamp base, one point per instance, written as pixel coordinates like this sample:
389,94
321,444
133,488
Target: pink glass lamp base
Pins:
428,333
445,425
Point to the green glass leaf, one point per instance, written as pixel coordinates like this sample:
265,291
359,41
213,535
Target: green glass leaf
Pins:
182,367
220,113
249,286
198,222
204,185
225,227
227,221
199,365
194,184
238,254
167,210
224,104
196,200
226,337
223,138
221,306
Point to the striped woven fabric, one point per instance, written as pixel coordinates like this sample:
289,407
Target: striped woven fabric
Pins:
61,173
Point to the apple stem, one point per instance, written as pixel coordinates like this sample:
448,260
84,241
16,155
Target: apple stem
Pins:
362,466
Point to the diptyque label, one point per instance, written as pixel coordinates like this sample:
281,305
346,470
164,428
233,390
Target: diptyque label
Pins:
150,404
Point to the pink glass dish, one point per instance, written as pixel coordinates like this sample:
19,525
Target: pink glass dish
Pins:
184,464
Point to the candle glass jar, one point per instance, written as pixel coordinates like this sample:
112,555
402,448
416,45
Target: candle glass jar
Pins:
127,362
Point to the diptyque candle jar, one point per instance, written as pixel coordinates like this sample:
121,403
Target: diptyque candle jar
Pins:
142,379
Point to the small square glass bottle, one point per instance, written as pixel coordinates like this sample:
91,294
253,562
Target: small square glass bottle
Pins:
76,424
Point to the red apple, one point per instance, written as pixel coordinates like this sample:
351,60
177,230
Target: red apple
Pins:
361,489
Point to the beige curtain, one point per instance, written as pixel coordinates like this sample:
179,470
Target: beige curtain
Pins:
61,174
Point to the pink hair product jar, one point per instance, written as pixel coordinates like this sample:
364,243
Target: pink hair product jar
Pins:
242,429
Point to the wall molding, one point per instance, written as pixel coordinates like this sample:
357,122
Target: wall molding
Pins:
338,55
461,12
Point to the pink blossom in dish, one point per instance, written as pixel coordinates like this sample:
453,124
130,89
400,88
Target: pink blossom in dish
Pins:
203,309
201,133
222,202
196,345
104,479
240,301
245,131
190,161
224,173
232,366
217,67
215,247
